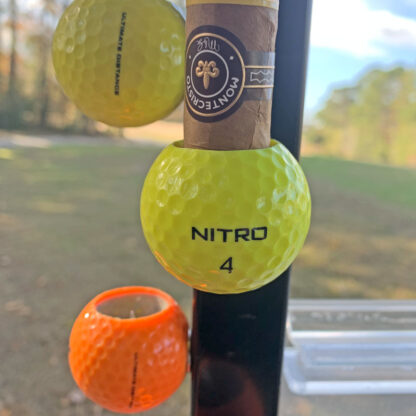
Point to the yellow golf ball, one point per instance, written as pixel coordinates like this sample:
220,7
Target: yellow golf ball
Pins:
225,221
121,61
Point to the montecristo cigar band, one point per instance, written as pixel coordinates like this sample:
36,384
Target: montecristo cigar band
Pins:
273,4
221,73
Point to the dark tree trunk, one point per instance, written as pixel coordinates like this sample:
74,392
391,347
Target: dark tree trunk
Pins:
43,84
13,54
1,52
44,100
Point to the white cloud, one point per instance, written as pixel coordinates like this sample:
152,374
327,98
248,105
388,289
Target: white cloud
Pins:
351,26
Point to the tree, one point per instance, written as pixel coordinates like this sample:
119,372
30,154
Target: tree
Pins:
13,53
336,117
374,120
10,110
48,11
1,46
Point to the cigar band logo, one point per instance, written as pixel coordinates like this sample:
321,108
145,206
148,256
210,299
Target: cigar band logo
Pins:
221,74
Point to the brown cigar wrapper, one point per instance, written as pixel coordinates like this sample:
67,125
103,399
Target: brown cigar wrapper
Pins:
249,126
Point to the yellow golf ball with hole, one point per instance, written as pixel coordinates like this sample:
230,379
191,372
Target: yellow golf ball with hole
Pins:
121,61
225,221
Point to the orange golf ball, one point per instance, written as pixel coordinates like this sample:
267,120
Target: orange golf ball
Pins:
128,349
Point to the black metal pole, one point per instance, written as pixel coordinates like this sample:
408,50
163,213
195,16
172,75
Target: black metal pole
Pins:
238,340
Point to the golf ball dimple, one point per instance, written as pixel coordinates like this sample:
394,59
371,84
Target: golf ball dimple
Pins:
128,349
225,222
121,62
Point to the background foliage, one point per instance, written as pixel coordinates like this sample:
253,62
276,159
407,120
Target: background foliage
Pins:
374,120
29,95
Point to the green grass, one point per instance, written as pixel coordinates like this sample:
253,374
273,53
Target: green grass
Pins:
70,228
385,183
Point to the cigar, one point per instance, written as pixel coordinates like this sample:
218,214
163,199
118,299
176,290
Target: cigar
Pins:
229,73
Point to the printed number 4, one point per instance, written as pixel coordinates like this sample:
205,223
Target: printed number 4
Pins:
228,265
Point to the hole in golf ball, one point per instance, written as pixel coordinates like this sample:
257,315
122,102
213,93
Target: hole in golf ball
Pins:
132,306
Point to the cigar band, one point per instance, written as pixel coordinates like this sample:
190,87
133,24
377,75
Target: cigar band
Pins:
273,4
221,74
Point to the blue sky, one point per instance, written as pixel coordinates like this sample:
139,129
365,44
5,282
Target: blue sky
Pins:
350,36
